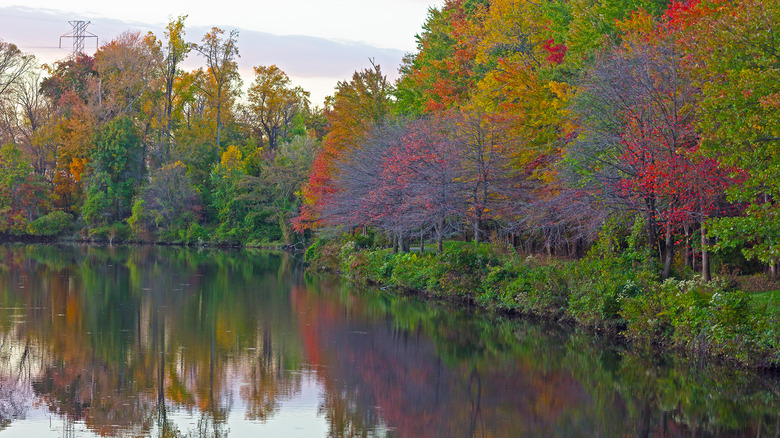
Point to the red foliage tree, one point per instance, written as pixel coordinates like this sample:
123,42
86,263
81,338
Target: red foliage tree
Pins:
639,111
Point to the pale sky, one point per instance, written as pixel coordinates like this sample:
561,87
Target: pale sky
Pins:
316,42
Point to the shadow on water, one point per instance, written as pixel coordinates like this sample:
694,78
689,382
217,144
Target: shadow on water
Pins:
176,342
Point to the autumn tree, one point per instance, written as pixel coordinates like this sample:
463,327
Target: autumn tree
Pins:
357,106
74,123
194,137
639,139
222,70
426,166
274,103
734,61
23,194
584,26
441,74
175,51
361,196
125,69
72,76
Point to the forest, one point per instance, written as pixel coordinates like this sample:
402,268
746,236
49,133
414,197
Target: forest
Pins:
538,123
126,146
535,125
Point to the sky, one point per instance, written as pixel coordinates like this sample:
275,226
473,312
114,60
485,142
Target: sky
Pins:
316,42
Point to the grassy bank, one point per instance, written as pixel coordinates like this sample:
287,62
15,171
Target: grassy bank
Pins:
617,292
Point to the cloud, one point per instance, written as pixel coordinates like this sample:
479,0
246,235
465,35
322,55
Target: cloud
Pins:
308,60
313,57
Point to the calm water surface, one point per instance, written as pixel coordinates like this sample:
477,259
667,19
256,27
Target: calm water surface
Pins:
172,342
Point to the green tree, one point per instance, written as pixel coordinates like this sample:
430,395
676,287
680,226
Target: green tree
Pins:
167,202
116,171
735,60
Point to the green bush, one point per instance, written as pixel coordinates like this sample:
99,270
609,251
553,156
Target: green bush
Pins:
466,266
196,234
417,272
53,224
260,226
598,288
116,232
703,317
94,209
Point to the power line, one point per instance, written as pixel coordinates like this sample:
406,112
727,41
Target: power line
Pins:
79,34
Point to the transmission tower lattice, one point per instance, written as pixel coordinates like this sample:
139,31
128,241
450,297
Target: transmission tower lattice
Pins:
79,35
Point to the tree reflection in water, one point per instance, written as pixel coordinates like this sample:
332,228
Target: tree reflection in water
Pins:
174,342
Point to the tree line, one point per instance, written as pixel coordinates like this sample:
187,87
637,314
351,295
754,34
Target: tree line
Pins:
535,123
126,144
529,123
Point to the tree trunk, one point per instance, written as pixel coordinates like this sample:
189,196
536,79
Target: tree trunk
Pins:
705,255
688,254
476,230
440,235
652,235
395,243
422,242
668,251
219,118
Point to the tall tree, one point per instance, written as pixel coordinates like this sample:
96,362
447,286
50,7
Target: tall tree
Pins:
484,140
274,103
13,65
426,167
116,171
639,139
124,74
32,117
68,86
358,105
734,59
176,50
220,53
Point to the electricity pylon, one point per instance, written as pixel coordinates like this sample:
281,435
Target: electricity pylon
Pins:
79,35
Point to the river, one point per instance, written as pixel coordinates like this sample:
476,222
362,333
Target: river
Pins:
178,342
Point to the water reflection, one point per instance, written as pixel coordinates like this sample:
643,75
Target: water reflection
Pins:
173,342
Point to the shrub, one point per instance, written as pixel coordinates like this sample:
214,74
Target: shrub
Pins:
323,254
53,224
417,272
196,234
116,232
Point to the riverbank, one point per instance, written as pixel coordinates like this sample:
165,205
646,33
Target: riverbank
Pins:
615,292
121,235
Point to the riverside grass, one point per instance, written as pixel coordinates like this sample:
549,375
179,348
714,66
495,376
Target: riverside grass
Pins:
613,291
